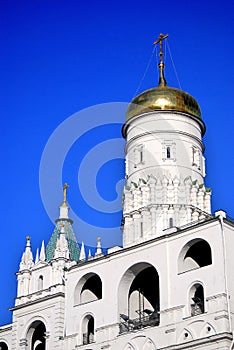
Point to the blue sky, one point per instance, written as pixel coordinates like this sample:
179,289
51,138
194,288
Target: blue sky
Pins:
59,57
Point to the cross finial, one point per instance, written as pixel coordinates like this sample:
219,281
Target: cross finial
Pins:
28,241
162,80
65,187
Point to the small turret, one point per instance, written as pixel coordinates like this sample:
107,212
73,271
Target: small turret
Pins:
64,208
63,242
82,252
99,248
89,255
37,256
27,257
42,252
24,274
62,249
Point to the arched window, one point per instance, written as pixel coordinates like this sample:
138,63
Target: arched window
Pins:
141,230
3,346
141,155
88,330
36,336
197,299
168,152
40,283
138,299
170,222
138,155
195,254
89,288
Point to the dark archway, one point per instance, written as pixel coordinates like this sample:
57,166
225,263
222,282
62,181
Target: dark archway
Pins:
195,254
88,329
36,336
200,252
89,288
146,286
40,283
3,346
139,297
197,302
94,285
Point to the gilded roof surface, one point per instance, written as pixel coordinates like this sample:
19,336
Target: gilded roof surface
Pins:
163,98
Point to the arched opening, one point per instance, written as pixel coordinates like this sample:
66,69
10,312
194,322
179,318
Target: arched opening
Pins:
88,330
139,301
168,152
170,222
197,299
195,254
40,283
3,346
143,292
36,336
89,288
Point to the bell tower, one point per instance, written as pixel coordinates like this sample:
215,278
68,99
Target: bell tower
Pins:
165,166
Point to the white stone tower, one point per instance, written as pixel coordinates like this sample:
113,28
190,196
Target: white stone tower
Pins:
165,166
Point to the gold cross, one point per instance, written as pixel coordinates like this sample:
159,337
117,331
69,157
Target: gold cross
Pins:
65,187
161,37
162,80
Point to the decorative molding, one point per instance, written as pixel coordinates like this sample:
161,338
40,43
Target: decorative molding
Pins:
33,302
175,308
216,296
170,330
23,342
220,317
107,326
177,132
5,328
200,343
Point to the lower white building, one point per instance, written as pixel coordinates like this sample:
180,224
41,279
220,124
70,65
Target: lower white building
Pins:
170,286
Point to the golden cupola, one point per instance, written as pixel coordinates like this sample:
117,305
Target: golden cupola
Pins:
163,97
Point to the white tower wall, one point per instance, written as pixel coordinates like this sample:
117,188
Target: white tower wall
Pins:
165,172
147,137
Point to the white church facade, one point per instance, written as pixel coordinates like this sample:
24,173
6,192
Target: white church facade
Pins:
170,286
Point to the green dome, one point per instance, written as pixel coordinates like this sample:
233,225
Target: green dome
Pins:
74,250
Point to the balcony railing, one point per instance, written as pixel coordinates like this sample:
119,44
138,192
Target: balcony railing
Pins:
88,338
129,325
197,309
